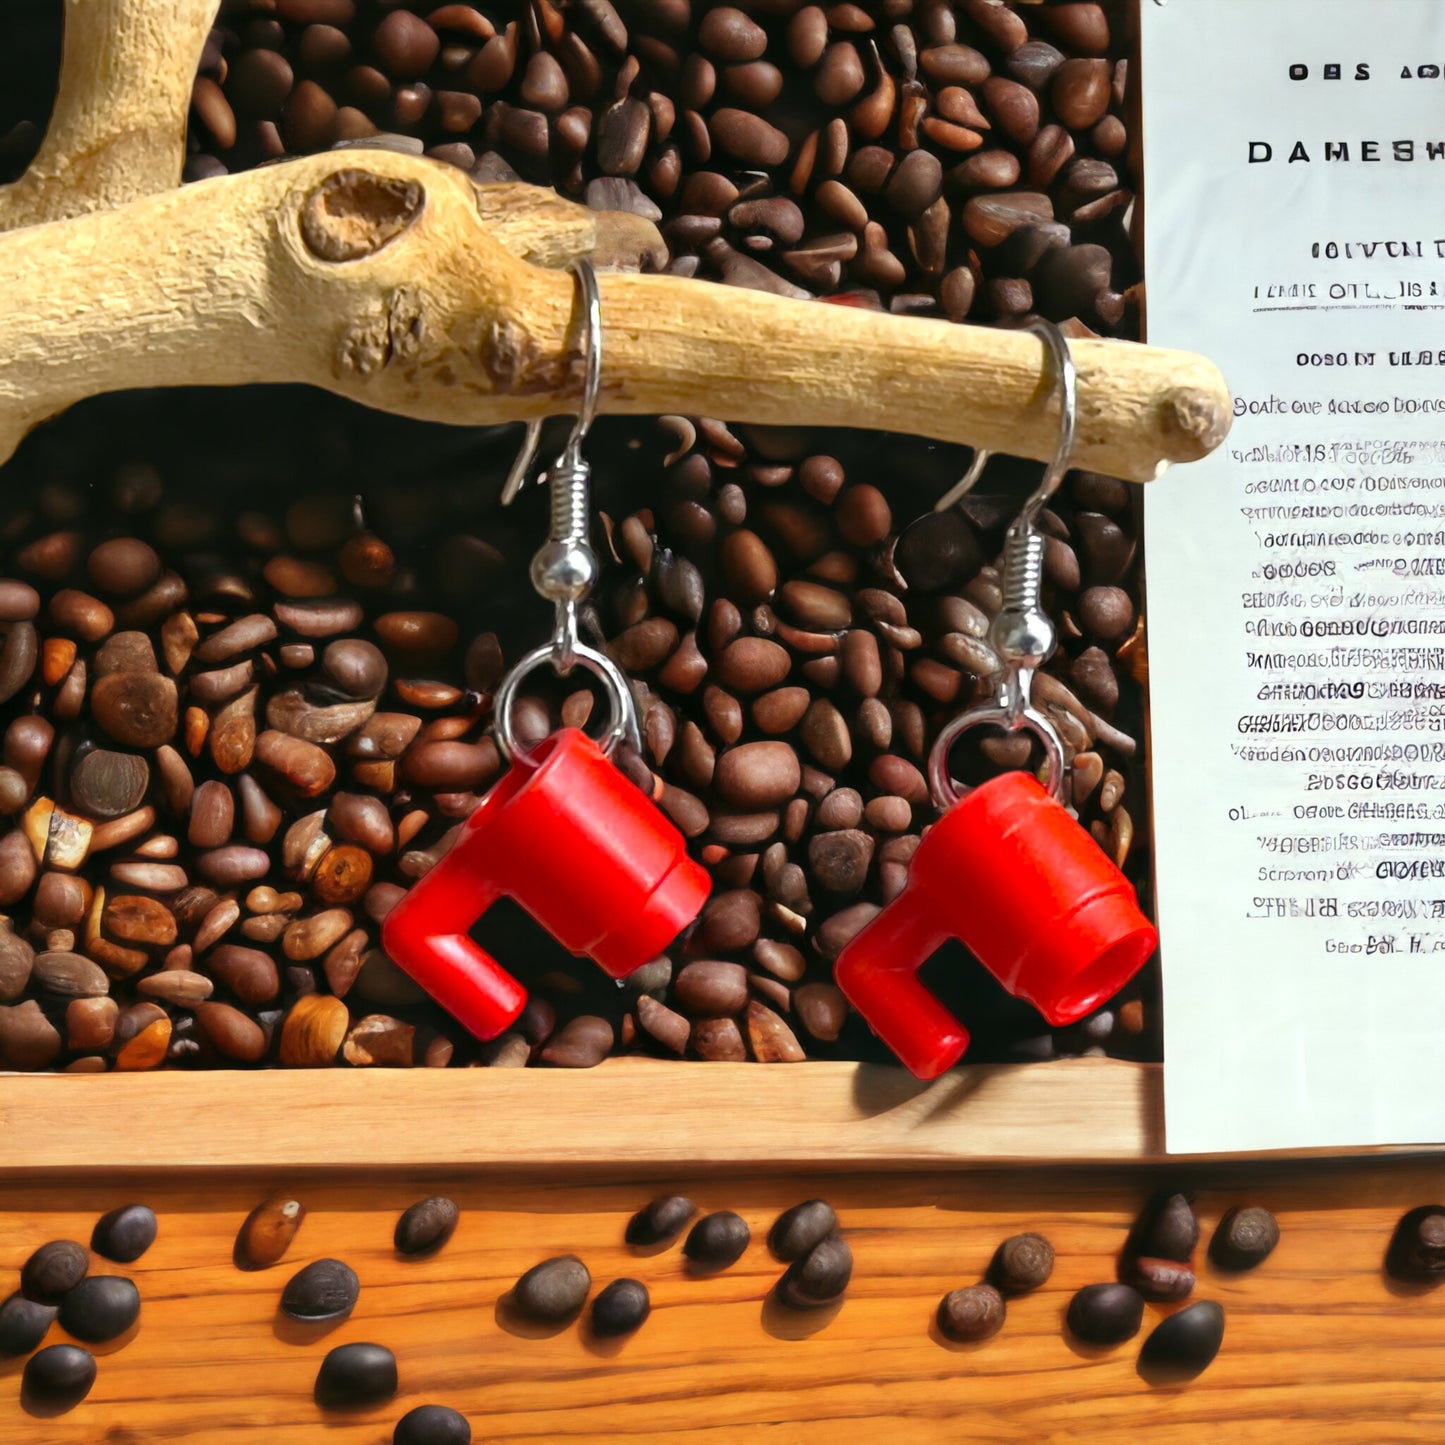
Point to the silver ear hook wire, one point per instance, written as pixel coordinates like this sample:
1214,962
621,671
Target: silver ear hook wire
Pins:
565,567
1022,635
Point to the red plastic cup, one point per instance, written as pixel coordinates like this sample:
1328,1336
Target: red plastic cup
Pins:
1028,892
580,848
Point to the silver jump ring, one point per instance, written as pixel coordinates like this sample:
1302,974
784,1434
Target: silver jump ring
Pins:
946,792
622,726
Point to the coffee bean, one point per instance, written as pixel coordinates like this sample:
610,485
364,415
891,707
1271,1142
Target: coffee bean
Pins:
709,988
57,1378
70,975
268,1230
106,784
1159,1279
1080,92
53,1271
840,860
821,1009
582,1043
19,602
1417,1248
1166,1228
100,1308
1185,1344
660,1221
757,775
356,1374
621,1308
797,1230
326,1289
1246,1236
17,959
432,1424
553,1292
124,566
975,1312
717,1240
748,138
818,1278
729,34
125,1233
426,1225
23,1324
1106,1314
1022,1263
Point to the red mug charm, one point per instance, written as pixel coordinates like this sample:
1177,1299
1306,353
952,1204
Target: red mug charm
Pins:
580,848
1012,876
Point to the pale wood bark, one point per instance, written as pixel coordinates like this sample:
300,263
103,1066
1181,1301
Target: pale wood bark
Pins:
118,129
381,277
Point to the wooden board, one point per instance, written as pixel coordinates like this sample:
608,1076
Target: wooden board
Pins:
1318,1348
822,1115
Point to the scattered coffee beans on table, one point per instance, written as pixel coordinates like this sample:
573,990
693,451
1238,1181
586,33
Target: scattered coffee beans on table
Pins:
717,1240
356,1374
100,1308
819,1277
621,1308
1184,1344
1106,1314
57,1378
325,1290
975,1312
124,1234
661,1221
427,1225
53,1271
1022,1263
800,1228
267,1232
1246,1236
432,1425
23,1323
553,1292
1417,1250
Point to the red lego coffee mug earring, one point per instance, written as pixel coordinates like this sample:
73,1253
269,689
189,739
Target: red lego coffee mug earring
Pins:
563,833
1006,869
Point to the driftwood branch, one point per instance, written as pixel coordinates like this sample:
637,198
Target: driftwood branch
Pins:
402,284
398,282
118,129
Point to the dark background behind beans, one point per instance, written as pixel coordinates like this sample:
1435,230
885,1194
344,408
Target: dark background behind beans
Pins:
953,159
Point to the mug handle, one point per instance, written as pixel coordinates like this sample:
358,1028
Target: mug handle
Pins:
426,934
878,974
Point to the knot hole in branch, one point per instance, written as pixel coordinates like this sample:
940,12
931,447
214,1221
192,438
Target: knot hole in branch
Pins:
354,213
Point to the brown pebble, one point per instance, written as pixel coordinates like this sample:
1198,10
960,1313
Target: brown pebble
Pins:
975,1312
313,1031
581,1043
711,988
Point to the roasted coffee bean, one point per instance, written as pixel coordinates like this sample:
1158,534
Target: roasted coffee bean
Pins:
1021,1263
1185,1344
125,1233
975,1312
57,1378
660,1221
799,1229
356,1374
710,989
1106,1314
1247,1235
326,1289
1417,1248
23,1324
432,1424
819,1278
717,1240
621,1308
426,1225
553,1292
267,1232
99,1308
582,1043
53,1271
1166,1228
1159,1279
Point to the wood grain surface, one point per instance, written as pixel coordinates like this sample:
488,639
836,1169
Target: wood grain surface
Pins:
1318,1345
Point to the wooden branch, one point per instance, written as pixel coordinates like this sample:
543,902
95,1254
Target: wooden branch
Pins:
383,277
118,130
